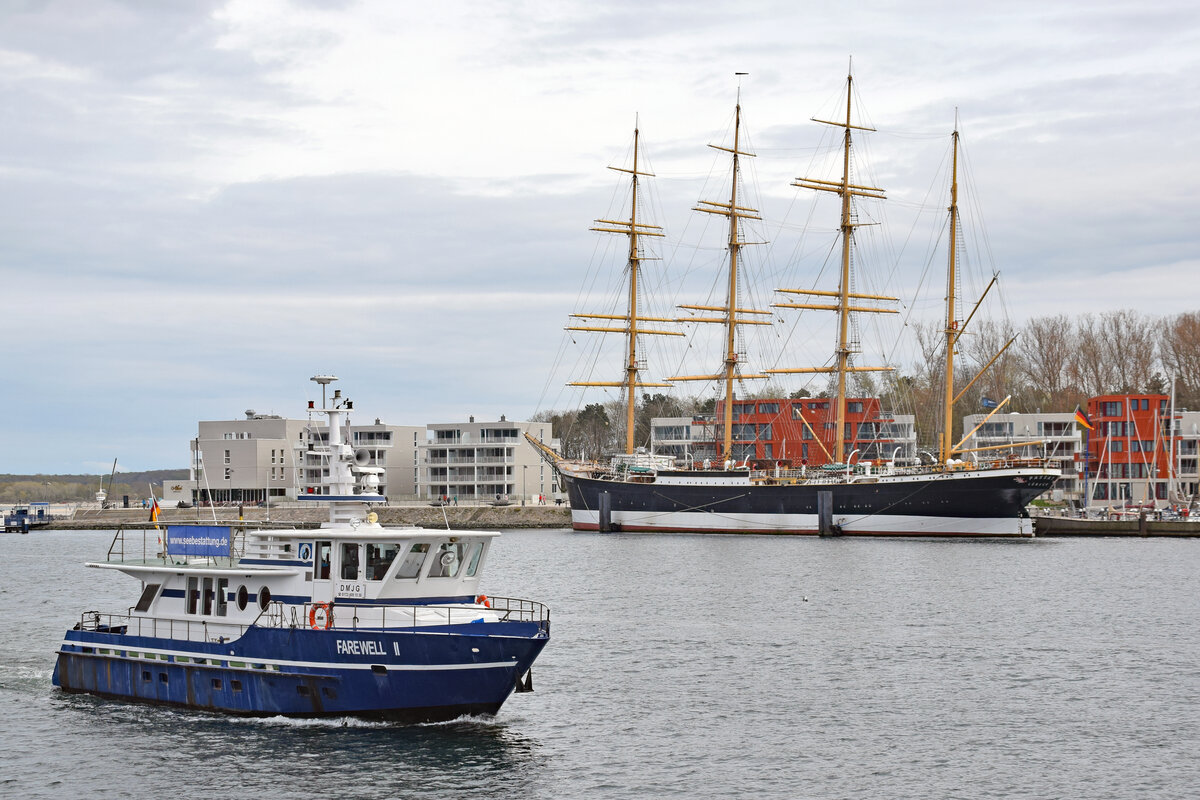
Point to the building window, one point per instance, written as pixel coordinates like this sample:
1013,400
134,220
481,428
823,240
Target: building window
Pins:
854,408
1111,409
768,408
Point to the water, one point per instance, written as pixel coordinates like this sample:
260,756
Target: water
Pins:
697,667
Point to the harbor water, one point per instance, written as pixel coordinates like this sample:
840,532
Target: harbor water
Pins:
698,667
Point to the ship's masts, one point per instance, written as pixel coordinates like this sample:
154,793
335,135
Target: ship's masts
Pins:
952,330
631,367
843,351
731,309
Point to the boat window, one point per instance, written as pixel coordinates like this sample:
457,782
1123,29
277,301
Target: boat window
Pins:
473,559
448,560
411,566
379,559
349,561
193,595
264,598
243,597
148,593
222,596
323,551
208,596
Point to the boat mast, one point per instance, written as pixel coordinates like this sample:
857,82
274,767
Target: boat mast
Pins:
952,330
846,191
634,230
730,310
731,303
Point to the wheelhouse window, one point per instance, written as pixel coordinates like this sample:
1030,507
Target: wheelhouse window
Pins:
379,560
448,560
322,563
349,570
473,558
410,568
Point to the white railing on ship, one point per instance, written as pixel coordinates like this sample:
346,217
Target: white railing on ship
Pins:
344,617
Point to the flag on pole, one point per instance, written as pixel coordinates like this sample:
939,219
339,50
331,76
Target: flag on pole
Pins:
1082,419
154,512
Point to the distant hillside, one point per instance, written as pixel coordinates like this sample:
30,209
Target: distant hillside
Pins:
83,488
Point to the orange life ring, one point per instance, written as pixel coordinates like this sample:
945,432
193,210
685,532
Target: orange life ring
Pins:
312,616
483,601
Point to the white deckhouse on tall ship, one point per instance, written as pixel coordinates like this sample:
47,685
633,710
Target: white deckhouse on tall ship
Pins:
637,491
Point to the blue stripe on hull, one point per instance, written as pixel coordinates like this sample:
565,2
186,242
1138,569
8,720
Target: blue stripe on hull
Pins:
432,677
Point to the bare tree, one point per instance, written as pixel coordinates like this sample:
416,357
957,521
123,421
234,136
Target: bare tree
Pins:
1130,340
1043,352
1089,367
1179,351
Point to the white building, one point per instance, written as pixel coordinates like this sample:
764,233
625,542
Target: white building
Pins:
1057,435
485,461
268,456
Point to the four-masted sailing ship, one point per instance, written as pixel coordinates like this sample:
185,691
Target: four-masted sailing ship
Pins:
638,491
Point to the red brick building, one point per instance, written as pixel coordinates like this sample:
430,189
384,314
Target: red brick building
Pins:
801,431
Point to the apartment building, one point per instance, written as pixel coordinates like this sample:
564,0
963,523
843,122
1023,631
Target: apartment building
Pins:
485,461
267,457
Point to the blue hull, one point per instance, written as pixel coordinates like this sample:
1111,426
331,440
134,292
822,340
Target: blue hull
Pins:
427,675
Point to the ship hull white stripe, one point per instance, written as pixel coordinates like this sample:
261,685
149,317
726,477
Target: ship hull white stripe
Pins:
246,659
876,524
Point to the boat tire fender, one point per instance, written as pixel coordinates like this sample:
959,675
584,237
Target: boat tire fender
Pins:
317,624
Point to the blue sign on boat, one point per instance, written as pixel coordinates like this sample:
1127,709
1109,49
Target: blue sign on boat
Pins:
198,540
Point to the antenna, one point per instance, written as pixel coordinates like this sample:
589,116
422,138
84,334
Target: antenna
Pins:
324,380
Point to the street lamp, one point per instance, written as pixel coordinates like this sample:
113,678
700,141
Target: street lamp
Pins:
523,468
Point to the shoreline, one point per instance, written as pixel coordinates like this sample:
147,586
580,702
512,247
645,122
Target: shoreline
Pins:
482,517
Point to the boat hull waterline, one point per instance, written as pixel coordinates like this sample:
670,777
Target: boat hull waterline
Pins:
427,676
967,503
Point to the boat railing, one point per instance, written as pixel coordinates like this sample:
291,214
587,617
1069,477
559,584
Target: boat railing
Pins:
131,624
125,546
347,616
343,617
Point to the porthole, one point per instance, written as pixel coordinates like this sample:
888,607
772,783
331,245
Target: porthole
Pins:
264,598
243,597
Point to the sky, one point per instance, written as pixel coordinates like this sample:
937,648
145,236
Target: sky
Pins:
206,203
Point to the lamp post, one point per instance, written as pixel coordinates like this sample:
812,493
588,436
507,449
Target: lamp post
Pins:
523,468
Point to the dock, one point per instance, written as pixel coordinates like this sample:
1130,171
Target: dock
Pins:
1129,528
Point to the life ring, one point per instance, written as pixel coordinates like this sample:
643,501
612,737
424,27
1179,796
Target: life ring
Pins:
327,610
483,601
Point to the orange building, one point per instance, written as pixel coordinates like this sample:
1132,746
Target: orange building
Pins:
801,431
1128,453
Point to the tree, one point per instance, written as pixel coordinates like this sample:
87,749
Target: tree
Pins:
1179,351
1044,350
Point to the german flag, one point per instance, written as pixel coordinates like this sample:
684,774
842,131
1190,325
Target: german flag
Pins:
154,511
1082,419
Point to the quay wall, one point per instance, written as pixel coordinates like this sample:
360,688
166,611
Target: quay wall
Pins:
425,516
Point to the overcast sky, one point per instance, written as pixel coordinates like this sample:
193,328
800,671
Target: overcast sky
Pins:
204,204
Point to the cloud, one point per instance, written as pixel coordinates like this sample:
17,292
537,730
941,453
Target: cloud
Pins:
203,204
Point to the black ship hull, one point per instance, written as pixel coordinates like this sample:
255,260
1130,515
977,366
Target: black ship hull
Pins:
955,503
